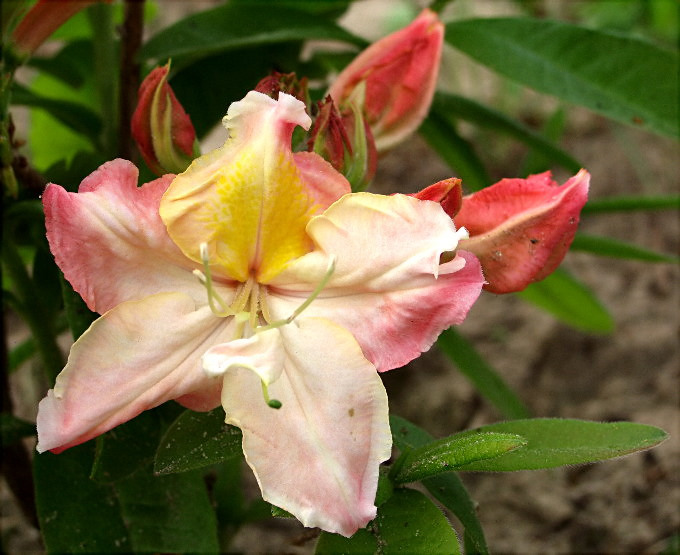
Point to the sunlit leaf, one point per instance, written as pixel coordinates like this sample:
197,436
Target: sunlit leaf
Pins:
555,442
622,77
446,488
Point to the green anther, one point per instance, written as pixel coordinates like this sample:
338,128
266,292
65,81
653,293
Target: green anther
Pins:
273,403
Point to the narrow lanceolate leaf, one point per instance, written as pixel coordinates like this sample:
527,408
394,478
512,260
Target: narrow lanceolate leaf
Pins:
569,301
605,246
441,134
469,110
485,378
624,78
631,203
447,488
407,523
555,442
451,453
238,25
195,440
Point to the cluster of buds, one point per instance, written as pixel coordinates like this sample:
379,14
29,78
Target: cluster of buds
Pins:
520,229
376,102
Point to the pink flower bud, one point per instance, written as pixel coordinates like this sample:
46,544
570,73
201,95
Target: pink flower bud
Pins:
160,126
520,229
288,83
345,140
399,73
448,193
45,17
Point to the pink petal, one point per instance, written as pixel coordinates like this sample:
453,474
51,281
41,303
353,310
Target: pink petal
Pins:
400,74
388,289
324,184
521,229
318,455
110,242
133,358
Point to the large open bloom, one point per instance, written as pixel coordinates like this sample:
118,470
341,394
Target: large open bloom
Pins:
256,280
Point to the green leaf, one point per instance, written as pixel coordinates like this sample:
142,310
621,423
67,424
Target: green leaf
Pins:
76,515
410,523
244,68
238,25
66,65
457,152
361,543
74,115
20,354
555,442
446,488
168,514
569,301
407,523
13,429
450,453
621,77
127,448
469,110
196,440
605,246
631,203
485,378
78,315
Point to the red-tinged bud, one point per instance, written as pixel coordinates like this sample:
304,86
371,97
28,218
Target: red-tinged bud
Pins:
45,17
344,140
288,83
400,74
521,229
160,126
448,193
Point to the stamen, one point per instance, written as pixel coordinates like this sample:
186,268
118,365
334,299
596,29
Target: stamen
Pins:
206,279
273,403
308,301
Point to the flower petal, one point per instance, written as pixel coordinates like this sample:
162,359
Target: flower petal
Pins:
520,229
251,184
318,455
261,353
133,358
110,242
389,288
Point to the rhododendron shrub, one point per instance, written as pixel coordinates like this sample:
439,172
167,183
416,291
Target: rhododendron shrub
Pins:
243,304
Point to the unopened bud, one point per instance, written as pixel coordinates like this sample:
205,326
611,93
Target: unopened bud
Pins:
160,126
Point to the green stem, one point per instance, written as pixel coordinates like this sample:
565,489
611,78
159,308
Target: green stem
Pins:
39,321
103,28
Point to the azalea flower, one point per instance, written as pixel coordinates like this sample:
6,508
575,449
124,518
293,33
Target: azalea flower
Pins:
255,280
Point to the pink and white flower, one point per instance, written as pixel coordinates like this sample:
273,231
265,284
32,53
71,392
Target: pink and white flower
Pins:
255,279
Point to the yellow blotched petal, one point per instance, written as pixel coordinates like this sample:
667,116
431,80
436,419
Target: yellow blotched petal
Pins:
246,200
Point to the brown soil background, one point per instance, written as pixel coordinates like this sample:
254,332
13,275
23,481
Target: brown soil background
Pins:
630,505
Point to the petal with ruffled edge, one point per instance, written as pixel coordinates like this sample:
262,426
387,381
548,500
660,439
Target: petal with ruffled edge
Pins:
110,242
521,229
133,358
318,455
252,185
389,288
